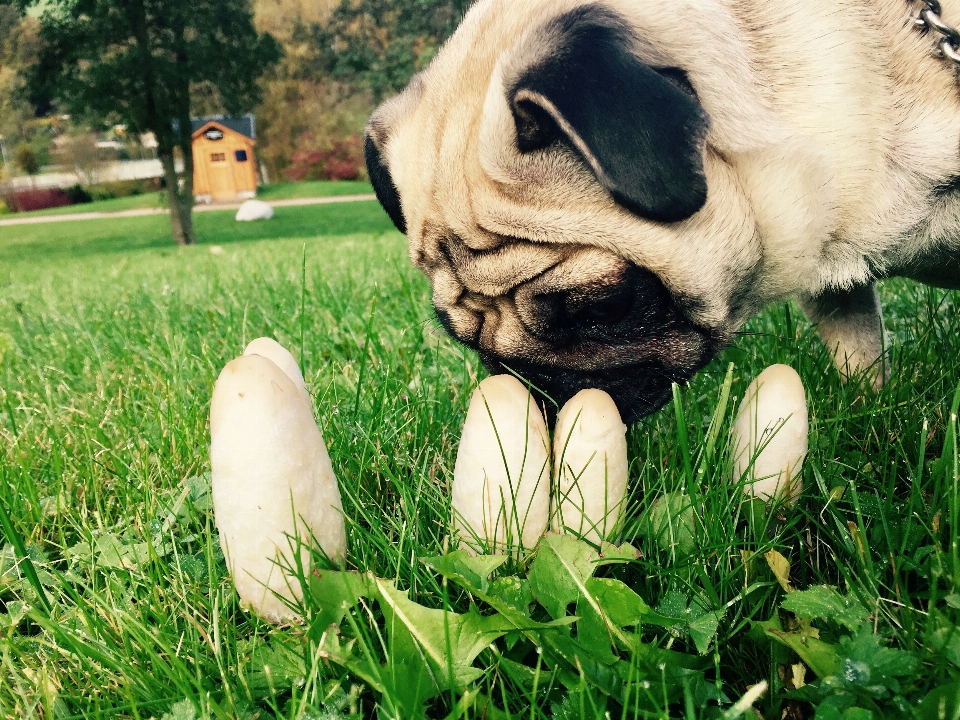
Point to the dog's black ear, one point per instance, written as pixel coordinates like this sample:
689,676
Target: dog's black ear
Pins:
382,182
640,130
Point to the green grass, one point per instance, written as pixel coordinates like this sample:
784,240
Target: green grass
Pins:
274,191
111,340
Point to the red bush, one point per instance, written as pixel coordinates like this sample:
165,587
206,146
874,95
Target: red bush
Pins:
342,160
37,199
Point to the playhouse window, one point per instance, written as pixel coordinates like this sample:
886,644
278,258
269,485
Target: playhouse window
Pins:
218,157
240,155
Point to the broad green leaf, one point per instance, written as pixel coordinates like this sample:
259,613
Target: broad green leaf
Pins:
819,656
658,661
857,713
450,642
673,604
607,607
557,576
866,662
671,523
825,602
594,633
620,604
582,664
611,554
183,710
942,703
474,570
333,592
944,637
514,591
283,660
835,707
704,629
333,648
111,552
518,619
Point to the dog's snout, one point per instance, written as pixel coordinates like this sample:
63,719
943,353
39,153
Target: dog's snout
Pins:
567,311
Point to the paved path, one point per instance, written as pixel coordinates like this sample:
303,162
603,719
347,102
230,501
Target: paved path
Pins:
36,219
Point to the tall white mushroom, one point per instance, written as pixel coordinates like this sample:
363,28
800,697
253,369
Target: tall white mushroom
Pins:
771,433
273,484
281,357
501,480
590,465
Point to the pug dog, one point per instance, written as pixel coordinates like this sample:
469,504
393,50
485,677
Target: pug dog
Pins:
603,192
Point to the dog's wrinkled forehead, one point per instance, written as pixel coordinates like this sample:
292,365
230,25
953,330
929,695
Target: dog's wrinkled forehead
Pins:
567,100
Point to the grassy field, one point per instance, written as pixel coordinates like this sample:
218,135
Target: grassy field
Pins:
274,191
114,597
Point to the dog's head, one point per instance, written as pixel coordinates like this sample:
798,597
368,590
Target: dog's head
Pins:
554,176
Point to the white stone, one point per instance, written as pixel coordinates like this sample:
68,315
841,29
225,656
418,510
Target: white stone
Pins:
272,483
771,432
501,480
254,210
590,466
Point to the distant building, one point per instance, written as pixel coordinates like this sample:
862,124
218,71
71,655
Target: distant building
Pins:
224,167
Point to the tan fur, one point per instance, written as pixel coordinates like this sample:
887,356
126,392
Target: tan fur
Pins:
831,124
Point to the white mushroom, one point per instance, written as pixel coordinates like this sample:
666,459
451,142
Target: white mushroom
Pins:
281,357
273,484
501,480
769,436
590,465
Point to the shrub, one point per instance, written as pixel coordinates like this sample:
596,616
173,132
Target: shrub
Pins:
342,160
37,199
26,159
78,195
123,188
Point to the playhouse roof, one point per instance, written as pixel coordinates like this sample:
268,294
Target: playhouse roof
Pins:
244,124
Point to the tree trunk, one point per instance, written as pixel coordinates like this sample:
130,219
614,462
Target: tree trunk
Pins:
180,201
186,149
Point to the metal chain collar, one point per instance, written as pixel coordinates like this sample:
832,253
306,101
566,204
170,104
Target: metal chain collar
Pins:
929,19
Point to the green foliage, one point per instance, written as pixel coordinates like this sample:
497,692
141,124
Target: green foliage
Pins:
26,159
592,655
858,676
18,48
382,43
158,49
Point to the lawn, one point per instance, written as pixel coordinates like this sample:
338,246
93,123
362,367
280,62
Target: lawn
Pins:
274,191
114,597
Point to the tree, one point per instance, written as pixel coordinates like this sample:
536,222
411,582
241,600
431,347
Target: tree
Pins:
18,48
382,43
136,61
26,159
79,152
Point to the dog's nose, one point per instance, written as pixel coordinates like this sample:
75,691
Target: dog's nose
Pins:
559,316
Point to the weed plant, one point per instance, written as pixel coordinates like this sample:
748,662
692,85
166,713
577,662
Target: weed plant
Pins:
114,595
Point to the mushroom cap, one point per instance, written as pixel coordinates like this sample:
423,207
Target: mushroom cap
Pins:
590,465
272,481
281,357
501,480
771,431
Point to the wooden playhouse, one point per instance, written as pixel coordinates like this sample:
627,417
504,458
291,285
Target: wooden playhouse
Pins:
224,167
